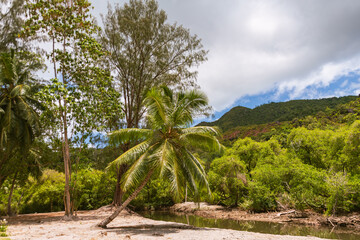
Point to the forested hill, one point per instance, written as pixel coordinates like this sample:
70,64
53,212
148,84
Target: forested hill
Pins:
272,112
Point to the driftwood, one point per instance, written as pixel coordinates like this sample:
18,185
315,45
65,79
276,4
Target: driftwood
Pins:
285,213
330,222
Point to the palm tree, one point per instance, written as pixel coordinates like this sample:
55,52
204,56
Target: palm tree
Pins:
163,150
19,121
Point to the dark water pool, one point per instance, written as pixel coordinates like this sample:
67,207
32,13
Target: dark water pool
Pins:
254,226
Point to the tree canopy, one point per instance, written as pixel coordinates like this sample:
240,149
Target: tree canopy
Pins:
146,51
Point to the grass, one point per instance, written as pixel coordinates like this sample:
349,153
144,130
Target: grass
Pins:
3,227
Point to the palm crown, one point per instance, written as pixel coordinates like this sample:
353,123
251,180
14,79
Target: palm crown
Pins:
18,119
165,147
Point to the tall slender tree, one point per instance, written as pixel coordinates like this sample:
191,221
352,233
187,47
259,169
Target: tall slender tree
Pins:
163,150
80,94
146,51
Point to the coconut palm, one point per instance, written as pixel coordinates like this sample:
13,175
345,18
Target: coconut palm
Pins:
19,121
18,117
163,150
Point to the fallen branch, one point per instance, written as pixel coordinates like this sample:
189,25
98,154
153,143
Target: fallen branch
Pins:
284,213
330,222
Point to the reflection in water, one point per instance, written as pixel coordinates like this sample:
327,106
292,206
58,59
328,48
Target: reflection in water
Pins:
251,226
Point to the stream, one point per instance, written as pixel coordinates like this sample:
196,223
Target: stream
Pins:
254,226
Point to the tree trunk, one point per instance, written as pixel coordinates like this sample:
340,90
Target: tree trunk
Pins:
3,162
9,212
119,193
107,220
68,211
66,155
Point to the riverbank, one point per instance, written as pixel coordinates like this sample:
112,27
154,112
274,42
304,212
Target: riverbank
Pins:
126,226
350,222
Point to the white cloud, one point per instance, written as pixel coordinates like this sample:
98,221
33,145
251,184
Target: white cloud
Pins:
258,45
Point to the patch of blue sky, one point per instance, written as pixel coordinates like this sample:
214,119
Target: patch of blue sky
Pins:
342,86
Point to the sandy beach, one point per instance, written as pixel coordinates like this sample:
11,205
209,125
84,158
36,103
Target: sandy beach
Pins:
126,226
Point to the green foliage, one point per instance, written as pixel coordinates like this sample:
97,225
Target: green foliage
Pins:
46,194
353,193
156,194
260,198
3,228
81,94
352,148
338,190
307,187
94,189
314,169
310,145
84,88
227,180
19,119
11,22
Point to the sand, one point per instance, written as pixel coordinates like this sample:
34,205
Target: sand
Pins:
125,226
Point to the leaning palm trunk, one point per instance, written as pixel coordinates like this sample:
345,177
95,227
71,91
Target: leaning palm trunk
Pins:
107,220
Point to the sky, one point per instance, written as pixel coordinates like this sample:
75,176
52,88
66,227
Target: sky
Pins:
264,51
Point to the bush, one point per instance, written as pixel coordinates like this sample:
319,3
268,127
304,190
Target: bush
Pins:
93,188
3,228
227,180
156,194
261,198
46,195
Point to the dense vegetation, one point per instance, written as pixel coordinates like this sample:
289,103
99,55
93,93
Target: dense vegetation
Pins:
301,154
309,163
275,112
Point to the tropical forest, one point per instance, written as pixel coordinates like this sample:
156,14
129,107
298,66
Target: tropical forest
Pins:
102,118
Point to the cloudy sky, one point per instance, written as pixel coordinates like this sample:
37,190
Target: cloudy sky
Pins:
271,50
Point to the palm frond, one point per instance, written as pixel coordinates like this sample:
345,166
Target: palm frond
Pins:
132,154
176,178
186,105
136,172
164,158
155,106
129,135
139,169
199,171
214,131
19,90
3,101
193,170
202,141
7,117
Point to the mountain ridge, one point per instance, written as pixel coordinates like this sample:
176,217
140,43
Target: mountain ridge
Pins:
275,112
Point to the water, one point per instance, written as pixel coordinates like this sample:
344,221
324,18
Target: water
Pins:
254,226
